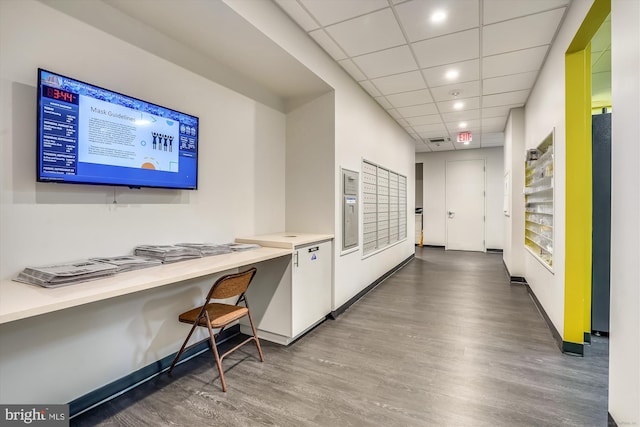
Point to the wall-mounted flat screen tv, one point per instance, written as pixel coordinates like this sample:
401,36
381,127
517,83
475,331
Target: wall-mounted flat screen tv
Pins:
91,135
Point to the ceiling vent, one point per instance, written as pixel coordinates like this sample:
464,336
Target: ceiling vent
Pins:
438,141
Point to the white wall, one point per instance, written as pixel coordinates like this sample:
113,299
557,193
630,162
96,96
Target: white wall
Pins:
624,342
309,162
545,112
435,211
514,156
241,192
362,130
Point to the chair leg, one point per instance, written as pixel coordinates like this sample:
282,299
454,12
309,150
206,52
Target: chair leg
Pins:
217,356
255,336
184,344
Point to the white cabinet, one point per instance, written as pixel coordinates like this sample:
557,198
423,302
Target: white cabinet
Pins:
311,286
292,294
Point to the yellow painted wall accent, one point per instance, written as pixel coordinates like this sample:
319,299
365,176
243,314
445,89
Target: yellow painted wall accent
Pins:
578,196
578,226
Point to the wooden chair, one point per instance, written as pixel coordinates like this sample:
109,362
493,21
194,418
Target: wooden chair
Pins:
214,315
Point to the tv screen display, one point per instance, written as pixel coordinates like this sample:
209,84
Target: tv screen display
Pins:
91,135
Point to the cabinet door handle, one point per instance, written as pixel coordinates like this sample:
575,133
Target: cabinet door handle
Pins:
295,258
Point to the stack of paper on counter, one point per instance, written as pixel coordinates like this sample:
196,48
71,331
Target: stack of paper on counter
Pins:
65,274
239,247
129,262
207,249
167,253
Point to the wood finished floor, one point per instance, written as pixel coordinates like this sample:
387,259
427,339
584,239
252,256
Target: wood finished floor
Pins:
446,341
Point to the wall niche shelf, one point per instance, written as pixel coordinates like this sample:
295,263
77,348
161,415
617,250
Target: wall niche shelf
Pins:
538,193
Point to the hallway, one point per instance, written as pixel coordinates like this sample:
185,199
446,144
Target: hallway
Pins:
446,341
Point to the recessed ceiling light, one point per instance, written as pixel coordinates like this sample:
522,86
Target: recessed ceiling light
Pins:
459,105
452,74
438,16
462,125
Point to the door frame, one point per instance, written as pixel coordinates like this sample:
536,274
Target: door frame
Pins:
578,181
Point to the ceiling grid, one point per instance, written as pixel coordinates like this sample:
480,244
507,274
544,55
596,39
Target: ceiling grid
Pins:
438,77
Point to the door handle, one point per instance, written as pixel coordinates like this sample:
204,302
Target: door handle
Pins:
451,214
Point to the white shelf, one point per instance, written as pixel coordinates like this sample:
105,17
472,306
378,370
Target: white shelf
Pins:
539,193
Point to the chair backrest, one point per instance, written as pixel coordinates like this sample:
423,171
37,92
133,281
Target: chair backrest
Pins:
231,285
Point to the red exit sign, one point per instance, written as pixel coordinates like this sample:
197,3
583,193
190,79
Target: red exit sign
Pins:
464,137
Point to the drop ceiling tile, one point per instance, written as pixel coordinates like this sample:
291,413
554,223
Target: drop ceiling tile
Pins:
514,62
415,17
469,104
508,98
406,99
444,146
448,49
501,111
386,62
370,88
494,124
467,71
437,129
393,113
430,119
602,38
601,63
466,90
298,14
403,122
353,70
325,42
329,12
601,89
405,82
521,33
461,116
454,127
509,83
497,10
376,31
383,102
417,110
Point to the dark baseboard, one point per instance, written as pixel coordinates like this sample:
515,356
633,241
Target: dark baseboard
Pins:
573,348
494,251
337,312
611,422
547,319
433,246
518,280
117,387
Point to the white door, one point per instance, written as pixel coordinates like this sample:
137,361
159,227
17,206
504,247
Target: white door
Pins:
465,205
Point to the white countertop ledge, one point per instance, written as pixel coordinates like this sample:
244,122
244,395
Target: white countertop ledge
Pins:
285,240
20,300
